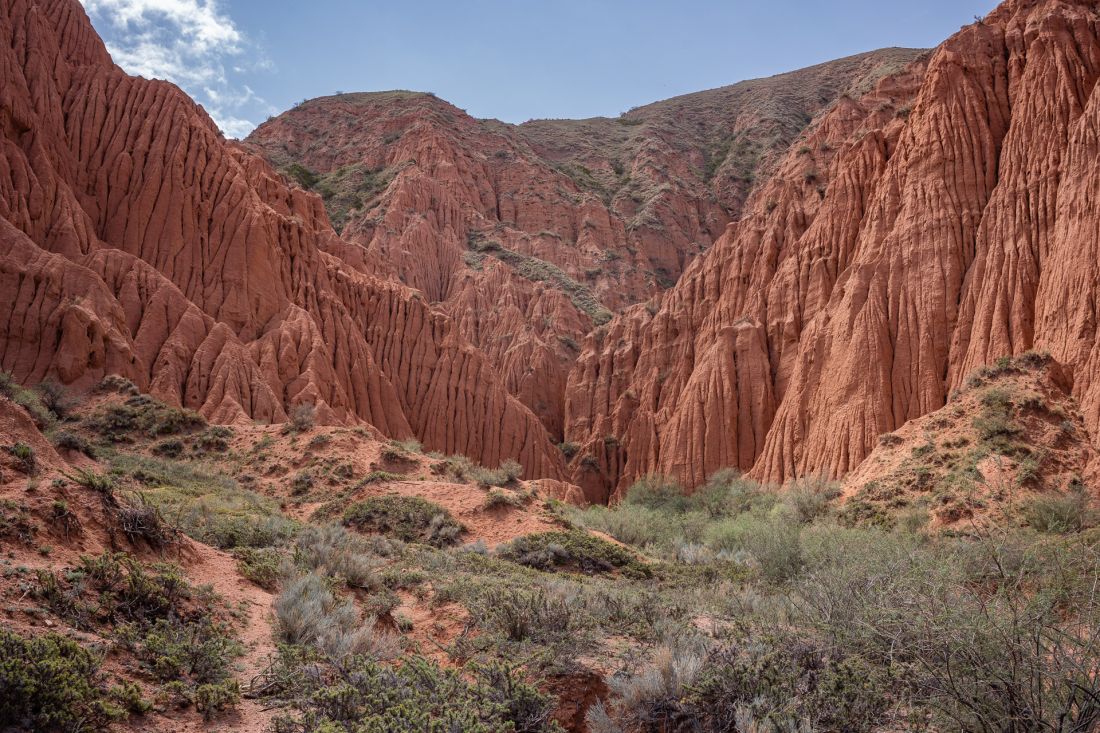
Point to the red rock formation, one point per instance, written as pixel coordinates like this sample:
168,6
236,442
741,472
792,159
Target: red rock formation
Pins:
135,240
940,222
943,219
528,234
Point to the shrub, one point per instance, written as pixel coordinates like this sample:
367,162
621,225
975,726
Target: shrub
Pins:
309,614
336,553
124,591
16,522
51,683
214,440
658,492
55,396
302,417
777,547
170,448
197,652
212,698
210,507
571,550
790,682
64,517
28,399
117,422
100,483
508,473
301,483
24,456
810,498
114,383
65,440
141,521
319,441
408,518
380,477
1060,513
260,565
497,498
525,614
413,697
652,700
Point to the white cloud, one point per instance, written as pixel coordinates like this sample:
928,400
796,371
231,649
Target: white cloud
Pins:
190,43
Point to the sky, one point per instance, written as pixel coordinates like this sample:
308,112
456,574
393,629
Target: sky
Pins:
245,60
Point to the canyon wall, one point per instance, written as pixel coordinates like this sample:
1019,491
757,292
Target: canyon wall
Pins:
941,221
134,239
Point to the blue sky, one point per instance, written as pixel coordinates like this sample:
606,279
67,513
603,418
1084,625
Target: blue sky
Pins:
514,60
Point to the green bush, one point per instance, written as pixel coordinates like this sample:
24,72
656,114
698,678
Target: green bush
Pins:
810,498
56,398
213,697
407,518
522,614
260,565
24,456
1060,513
575,550
51,683
415,697
66,440
658,492
789,682
197,652
28,399
208,506
506,475
118,422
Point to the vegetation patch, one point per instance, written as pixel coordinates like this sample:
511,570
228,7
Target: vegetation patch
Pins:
53,683
407,518
574,550
119,422
208,506
538,270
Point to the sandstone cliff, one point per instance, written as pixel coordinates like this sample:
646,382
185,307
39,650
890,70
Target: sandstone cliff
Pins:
135,240
933,225
530,235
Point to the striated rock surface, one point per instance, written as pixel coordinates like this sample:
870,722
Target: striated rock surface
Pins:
768,276
943,220
530,235
135,240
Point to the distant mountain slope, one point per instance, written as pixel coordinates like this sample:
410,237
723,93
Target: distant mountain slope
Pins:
529,235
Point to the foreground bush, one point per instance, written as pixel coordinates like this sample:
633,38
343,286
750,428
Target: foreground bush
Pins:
572,550
417,696
310,615
50,683
407,518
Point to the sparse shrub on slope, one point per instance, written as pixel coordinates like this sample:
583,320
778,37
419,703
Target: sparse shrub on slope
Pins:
407,518
1061,513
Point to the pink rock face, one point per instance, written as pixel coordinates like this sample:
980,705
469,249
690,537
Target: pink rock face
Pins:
135,240
529,235
937,213
944,220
